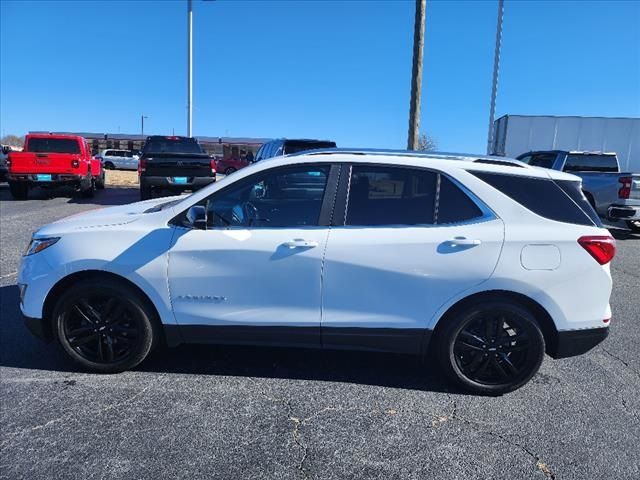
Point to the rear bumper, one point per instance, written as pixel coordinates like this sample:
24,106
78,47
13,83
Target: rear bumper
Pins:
570,343
169,183
57,179
624,212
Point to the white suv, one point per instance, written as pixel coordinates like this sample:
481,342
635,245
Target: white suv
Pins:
486,262
123,159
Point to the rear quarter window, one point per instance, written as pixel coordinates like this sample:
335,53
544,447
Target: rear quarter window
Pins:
539,195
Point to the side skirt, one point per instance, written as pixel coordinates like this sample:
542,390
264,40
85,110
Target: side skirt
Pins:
396,340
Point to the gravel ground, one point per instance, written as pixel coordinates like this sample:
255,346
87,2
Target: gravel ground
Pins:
234,412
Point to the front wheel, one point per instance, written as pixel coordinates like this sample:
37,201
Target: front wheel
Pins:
229,171
634,225
104,326
19,190
491,348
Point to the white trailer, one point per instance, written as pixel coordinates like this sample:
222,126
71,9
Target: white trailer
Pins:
518,134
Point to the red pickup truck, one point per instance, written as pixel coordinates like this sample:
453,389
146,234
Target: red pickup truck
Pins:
50,160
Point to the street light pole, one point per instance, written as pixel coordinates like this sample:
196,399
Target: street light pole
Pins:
142,117
189,66
496,66
416,75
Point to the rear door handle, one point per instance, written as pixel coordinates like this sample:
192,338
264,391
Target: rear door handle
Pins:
463,242
300,243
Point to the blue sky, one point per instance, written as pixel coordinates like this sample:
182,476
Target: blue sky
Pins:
337,70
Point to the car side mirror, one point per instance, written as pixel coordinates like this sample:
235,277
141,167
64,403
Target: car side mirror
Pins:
197,217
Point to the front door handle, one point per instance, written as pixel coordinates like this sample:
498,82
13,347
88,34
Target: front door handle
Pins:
300,243
463,242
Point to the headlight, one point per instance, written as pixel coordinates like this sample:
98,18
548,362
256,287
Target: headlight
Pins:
38,244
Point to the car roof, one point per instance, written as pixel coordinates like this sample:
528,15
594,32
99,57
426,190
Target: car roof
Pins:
436,160
572,152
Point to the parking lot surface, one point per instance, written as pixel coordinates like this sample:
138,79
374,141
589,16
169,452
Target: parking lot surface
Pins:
231,412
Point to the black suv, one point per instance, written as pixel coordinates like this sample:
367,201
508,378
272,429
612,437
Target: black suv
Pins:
175,164
286,146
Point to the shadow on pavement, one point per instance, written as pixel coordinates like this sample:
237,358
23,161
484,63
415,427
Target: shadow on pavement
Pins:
19,349
108,196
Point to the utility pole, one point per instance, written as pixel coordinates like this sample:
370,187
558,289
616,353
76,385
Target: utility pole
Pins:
416,75
496,66
142,117
189,66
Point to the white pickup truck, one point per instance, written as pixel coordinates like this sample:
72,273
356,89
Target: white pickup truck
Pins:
613,194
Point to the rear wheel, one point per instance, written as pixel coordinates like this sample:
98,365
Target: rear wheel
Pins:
89,191
491,348
19,190
145,192
104,326
634,225
100,182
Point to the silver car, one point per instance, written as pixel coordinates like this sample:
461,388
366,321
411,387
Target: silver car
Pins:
122,159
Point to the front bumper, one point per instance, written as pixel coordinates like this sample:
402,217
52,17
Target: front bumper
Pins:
570,343
168,183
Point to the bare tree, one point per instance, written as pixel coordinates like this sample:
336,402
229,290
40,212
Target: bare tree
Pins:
426,143
12,140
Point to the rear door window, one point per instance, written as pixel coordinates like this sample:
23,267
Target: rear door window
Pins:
391,196
454,205
544,160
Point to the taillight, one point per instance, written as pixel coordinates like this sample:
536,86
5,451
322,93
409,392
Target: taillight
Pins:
600,247
142,165
625,191
75,163
213,167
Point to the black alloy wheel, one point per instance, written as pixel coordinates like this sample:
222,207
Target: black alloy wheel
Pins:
493,348
229,171
103,326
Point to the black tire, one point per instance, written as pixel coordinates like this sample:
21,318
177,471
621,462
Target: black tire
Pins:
104,326
19,190
89,191
479,355
145,192
100,182
634,225
109,165
229,171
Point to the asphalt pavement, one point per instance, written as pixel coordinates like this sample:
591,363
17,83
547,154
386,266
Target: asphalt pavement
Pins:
235,413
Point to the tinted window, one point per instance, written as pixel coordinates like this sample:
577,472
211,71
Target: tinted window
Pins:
171,145
541,196
454,205
591,163
574,190
53,145
289,197
294,147
259,154
544,160
391,196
